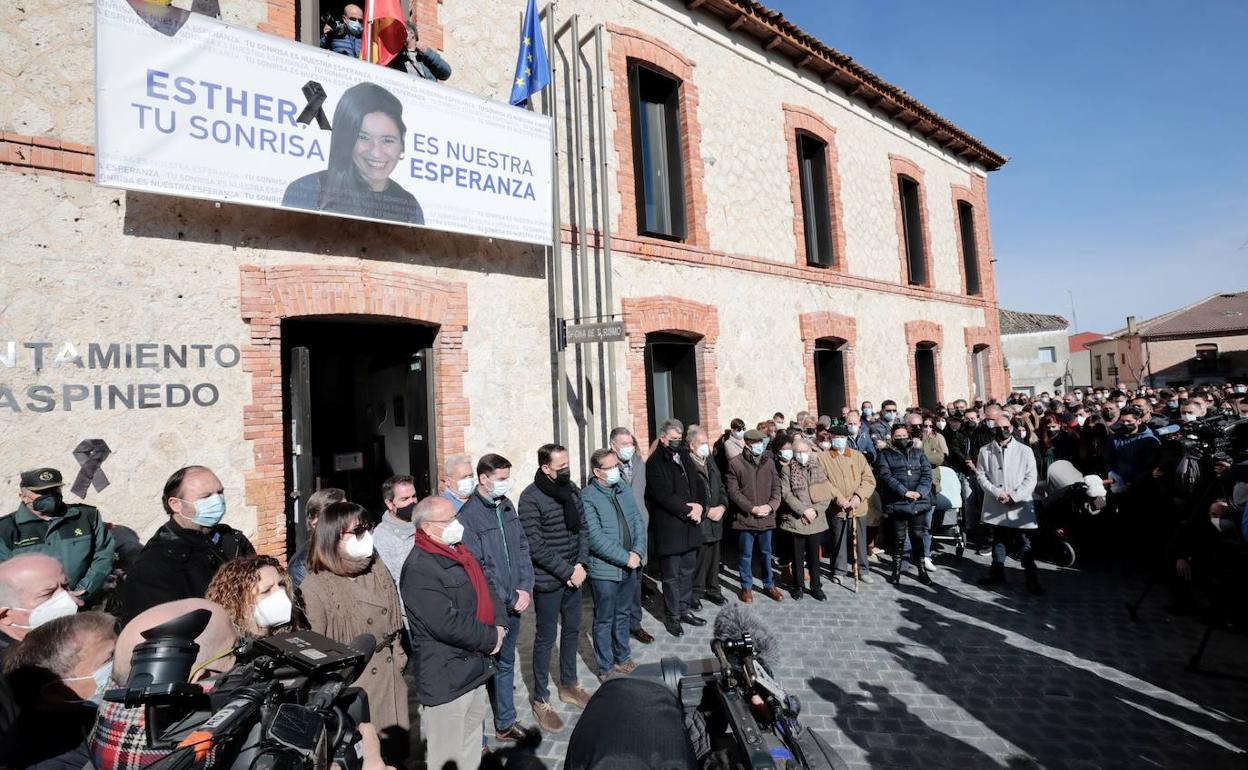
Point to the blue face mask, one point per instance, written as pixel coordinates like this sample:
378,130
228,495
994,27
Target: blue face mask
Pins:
758,448
209,511
354,28
786,454
839,443
613,476
867,411
101,675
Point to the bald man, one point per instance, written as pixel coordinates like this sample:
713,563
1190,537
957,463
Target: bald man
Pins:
33,590
345,37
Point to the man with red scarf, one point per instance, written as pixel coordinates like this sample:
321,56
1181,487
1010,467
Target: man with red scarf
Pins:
456,629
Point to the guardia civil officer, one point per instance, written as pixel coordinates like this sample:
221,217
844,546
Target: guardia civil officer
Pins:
73,534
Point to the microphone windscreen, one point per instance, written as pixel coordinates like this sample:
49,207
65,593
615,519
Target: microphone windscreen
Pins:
736,620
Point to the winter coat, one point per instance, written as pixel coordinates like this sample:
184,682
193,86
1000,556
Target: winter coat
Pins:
1011,469
609,513
452,647
1133,458
935,450
342,608
495,538
636,482
753,481
850,474
178,563
864,443
903,470
795,483
716,494
671,483
78,538
554,549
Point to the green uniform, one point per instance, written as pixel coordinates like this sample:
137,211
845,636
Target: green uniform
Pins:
78,540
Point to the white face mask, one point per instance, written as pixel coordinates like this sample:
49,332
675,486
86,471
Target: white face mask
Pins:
58,605
704,450
273,610
500,489
464,487
102,676
1222,524
940,425
359,547
453,533
825,445
626,453
803,457
738,434
779,424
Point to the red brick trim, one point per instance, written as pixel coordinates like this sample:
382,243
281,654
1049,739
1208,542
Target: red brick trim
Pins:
281,20
801,119
963,194
644,315
820,325
429,25
270,294
628,45
980,337
46,156
918,333
897,165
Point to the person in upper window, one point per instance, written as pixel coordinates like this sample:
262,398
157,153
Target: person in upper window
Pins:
366,146
345,36
422,62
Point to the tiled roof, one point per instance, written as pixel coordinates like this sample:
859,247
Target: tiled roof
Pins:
785,39
1015,322
1215,315
1079,342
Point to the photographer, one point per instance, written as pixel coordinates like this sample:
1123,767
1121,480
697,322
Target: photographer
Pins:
422,62
344,36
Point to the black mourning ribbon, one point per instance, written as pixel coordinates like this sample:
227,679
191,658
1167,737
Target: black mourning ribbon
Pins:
314,92
90,454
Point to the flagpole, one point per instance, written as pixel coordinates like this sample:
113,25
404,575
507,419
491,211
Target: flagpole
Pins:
366,49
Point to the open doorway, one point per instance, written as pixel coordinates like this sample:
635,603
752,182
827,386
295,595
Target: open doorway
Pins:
830,392
925,374
357,408
671,380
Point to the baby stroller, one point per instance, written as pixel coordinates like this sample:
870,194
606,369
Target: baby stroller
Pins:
1066,501
950,525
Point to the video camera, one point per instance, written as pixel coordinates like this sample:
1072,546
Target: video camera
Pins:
1219,438
338,28
287,703
736,714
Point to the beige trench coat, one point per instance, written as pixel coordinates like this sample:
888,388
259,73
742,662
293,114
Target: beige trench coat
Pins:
343,608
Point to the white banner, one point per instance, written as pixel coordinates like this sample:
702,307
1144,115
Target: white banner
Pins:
187,105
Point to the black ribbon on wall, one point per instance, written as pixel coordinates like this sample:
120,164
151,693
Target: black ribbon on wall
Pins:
314,92
90,454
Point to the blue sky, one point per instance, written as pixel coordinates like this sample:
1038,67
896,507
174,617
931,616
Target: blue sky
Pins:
1126,125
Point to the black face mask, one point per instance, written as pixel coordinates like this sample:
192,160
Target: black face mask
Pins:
901,443
1001,433
1126,429
676,444
405,513
563,476
47,505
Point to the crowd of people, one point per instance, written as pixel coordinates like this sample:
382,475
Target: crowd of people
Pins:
443,583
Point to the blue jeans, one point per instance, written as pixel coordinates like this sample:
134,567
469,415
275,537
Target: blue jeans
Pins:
561,607
745,544
1001,536
612,612
503,685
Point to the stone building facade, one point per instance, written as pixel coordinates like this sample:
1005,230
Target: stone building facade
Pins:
91,268
1037,352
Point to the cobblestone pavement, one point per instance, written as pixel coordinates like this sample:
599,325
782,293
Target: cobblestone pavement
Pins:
957,676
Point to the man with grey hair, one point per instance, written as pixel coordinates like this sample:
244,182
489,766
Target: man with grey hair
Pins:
633,475
33,591
459,481
676,498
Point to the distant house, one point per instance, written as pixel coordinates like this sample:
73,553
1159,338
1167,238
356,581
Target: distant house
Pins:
1081,358
1036,350
1205,342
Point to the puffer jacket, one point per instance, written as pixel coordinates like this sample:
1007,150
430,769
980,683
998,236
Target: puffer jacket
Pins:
609,512
900,471
795,483
554,549
753,481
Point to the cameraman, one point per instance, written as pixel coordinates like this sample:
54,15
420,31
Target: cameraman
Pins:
1210,559
345,36
118,740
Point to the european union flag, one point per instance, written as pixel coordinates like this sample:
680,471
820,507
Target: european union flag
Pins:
532,68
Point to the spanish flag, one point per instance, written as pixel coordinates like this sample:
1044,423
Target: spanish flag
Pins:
385,33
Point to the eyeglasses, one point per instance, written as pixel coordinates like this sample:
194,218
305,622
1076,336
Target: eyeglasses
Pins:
359,530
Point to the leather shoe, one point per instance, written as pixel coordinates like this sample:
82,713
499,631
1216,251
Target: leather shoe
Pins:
747,596
692,619
717,599
547,719
673,627
642,635
513,734
796,593
773,593
818,594
696,604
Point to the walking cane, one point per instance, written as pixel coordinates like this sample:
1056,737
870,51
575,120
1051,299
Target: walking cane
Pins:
853,543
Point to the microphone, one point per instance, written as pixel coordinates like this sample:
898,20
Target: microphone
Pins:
735,621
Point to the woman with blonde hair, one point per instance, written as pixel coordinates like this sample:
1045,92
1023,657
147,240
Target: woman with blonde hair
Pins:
256,592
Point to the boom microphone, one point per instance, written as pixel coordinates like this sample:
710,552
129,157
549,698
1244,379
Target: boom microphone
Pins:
736,620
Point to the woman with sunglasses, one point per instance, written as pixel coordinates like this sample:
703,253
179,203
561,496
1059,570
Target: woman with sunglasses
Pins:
348,592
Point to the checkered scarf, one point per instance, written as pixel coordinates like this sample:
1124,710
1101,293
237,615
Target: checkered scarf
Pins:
119,741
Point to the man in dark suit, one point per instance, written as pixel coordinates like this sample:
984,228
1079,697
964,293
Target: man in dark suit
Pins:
676,499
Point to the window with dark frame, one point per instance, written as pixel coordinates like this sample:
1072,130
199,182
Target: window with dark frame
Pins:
812,164
970,253
912,231
658,167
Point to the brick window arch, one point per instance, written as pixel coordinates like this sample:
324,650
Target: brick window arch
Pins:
825,325
900,168
630,46
925,335
271,294
682,317
799,119
982,338
972,199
